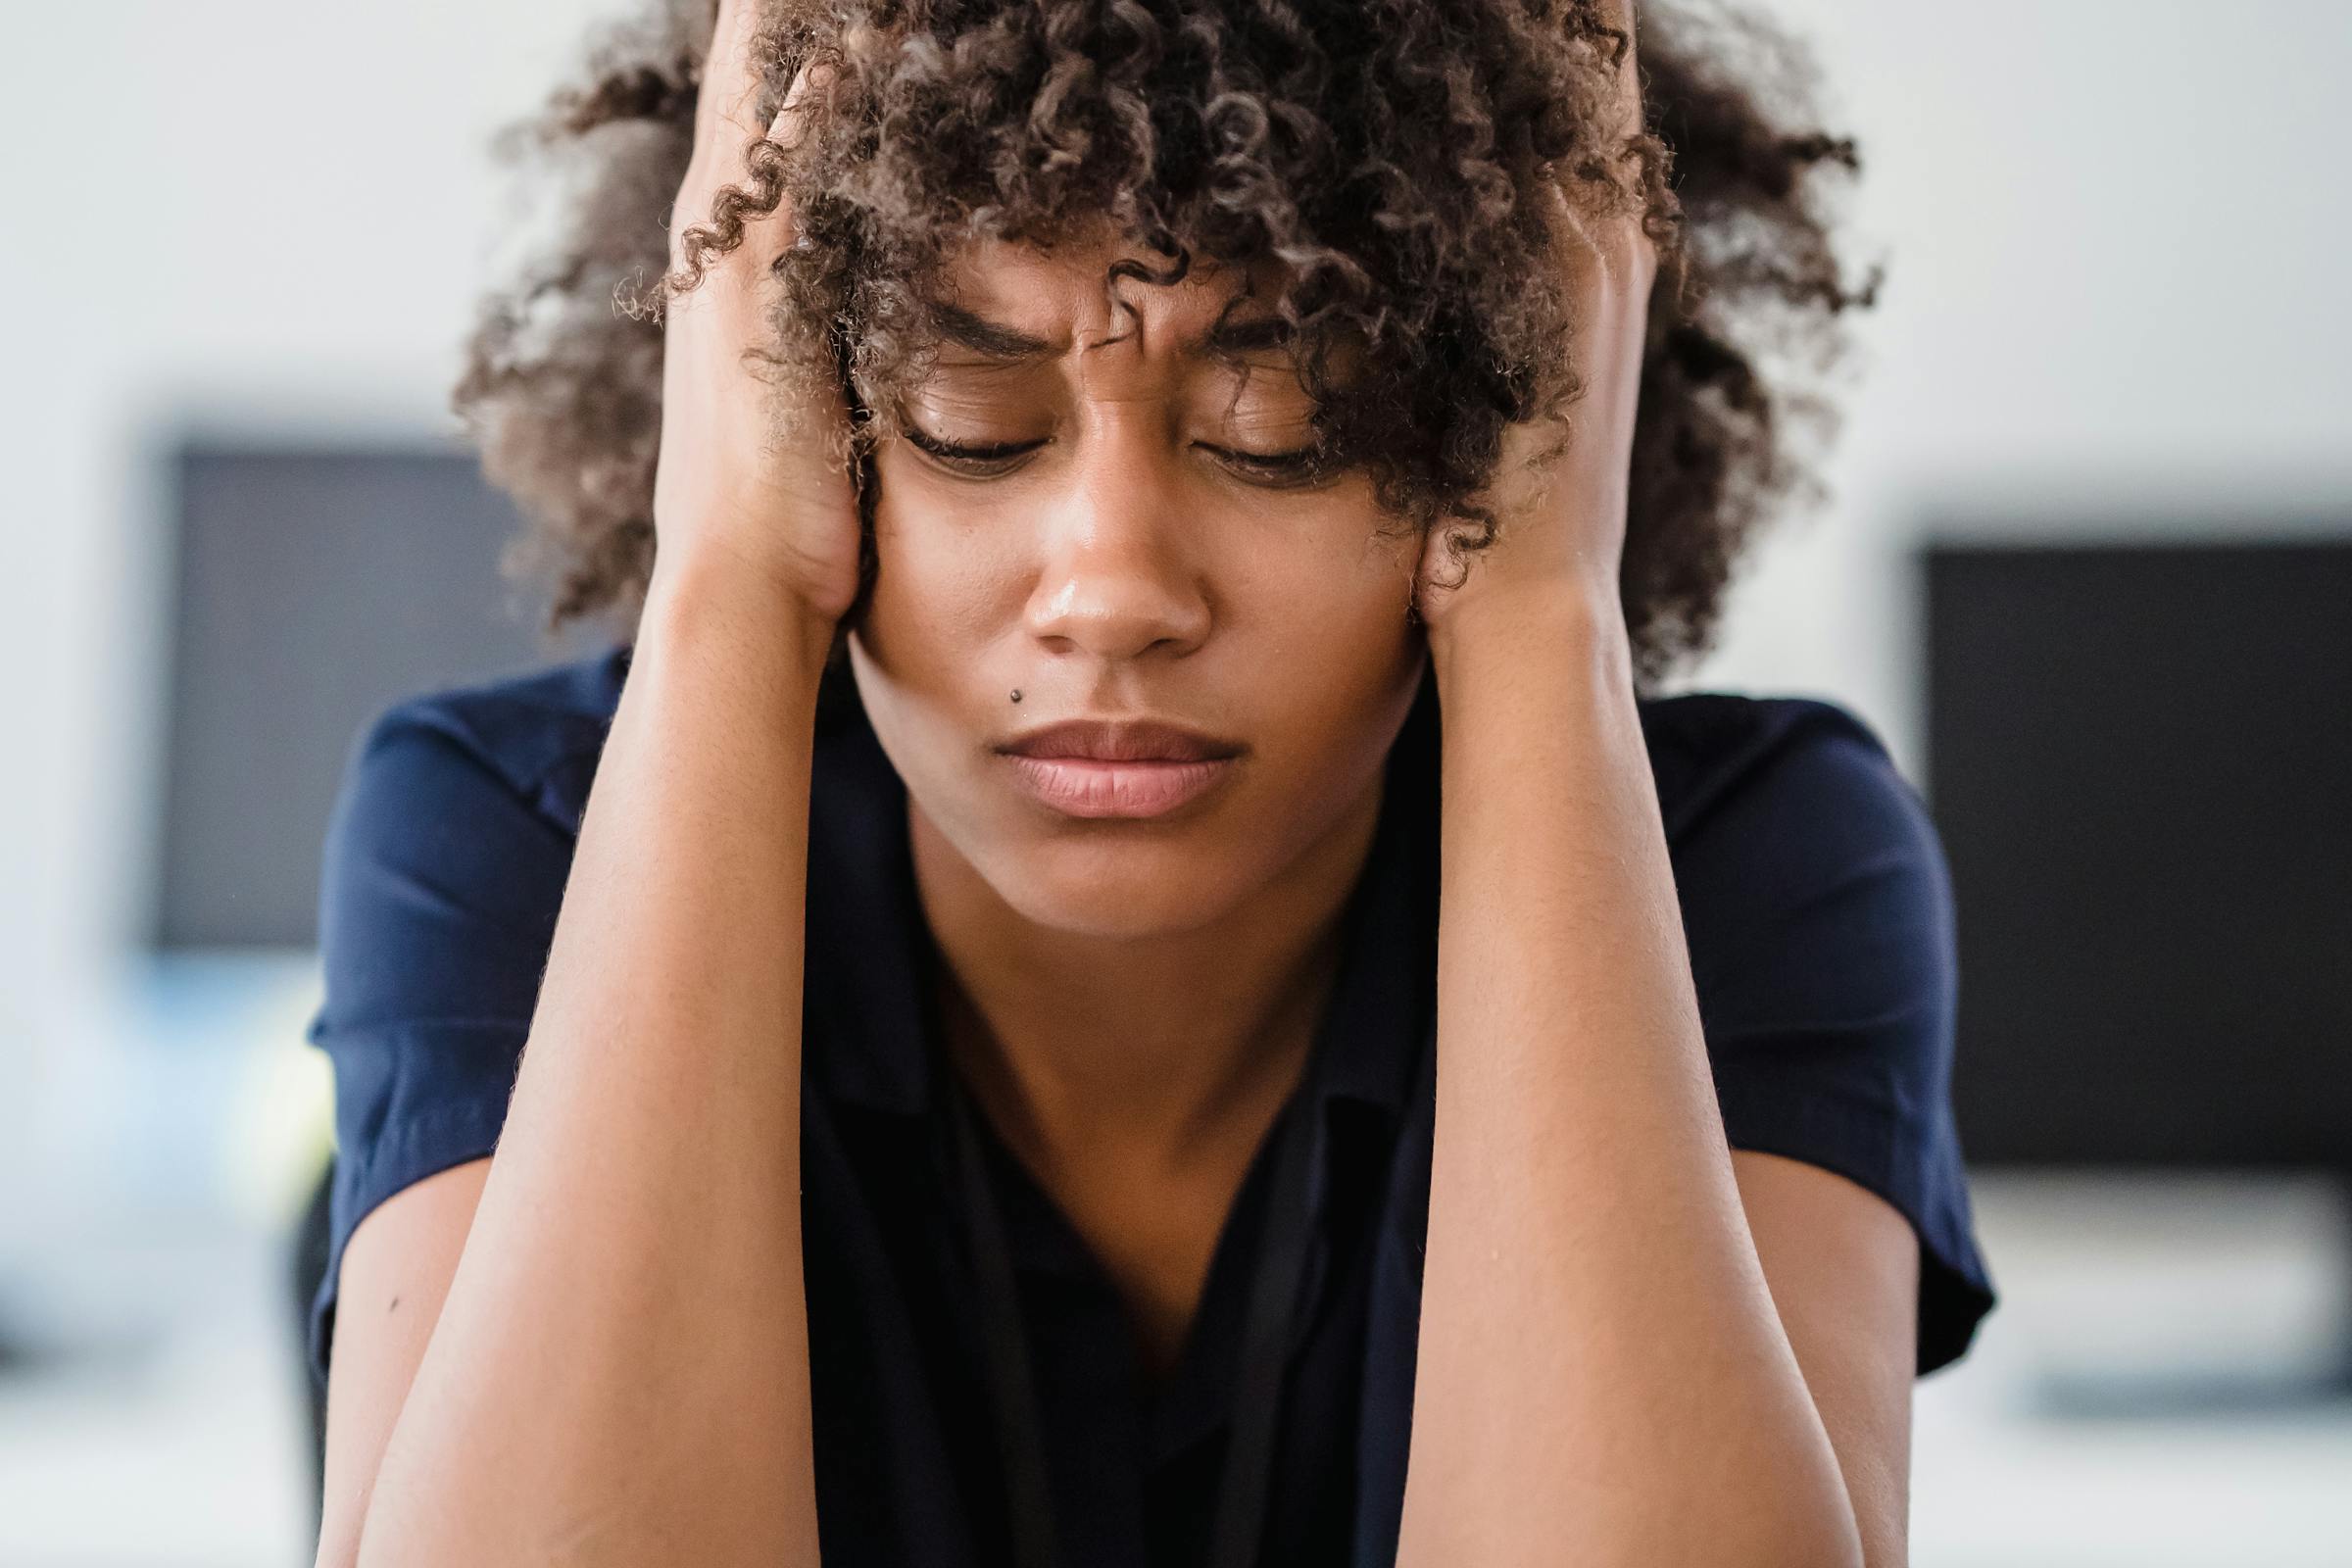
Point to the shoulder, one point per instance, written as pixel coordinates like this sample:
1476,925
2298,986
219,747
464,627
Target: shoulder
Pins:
1811,877
1715,753
1818,909
449,842
1773,802
534,735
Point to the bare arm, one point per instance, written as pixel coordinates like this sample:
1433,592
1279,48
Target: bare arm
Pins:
1844,1264
619,1373
1603,1377
394,1277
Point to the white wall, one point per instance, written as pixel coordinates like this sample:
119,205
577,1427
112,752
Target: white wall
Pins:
148,151
2116,231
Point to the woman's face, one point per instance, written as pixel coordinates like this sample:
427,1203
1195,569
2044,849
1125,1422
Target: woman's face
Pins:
1130,547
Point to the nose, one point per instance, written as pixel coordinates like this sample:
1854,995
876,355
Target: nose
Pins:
1120,570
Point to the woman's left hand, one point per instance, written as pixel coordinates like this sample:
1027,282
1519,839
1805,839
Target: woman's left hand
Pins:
1560,503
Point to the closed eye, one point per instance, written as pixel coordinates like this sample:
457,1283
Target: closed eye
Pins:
1301,465
993,458
1297,466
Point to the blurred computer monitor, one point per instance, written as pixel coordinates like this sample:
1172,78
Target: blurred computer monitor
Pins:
2139,757
312,585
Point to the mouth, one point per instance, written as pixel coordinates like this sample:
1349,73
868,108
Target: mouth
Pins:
1098,740
1101,768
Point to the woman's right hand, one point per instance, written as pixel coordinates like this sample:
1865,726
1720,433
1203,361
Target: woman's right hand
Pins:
753,475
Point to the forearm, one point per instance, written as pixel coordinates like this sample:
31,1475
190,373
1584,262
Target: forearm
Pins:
1601,1375
619,1373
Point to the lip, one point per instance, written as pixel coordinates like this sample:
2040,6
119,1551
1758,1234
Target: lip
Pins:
1103,740
1117,768
1085,787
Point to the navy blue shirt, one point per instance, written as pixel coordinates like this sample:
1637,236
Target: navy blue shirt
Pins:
1819,920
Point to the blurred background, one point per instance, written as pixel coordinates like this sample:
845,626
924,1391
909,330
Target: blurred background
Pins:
2087,565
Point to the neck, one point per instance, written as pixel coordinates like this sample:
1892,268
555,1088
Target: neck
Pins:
1085,1049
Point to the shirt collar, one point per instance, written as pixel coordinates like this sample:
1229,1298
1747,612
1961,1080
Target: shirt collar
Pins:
868,947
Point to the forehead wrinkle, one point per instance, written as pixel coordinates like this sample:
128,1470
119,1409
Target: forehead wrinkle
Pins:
1009,318
994,342
1254,395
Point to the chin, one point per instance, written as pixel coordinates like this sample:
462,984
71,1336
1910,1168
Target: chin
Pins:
1116,886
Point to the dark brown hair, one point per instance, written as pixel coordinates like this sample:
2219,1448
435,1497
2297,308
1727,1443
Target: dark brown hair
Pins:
1384,151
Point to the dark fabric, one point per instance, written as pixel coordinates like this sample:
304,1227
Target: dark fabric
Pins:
1819,916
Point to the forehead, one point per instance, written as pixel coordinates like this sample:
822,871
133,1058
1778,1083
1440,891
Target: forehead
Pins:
1002,300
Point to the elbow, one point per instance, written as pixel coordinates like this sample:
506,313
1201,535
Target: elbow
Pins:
1814,1544
1837,1548
339,1531
1823,1533
1818,1538
1824,1536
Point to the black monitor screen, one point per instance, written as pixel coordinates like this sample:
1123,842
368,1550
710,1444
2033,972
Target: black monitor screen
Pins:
2140,761
311,586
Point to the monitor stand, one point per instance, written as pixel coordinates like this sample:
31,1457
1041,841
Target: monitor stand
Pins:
2322,1391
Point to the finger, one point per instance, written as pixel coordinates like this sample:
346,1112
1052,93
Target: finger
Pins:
1600,232
724,105
1601,252
726,121
771,231
1626,106
723,157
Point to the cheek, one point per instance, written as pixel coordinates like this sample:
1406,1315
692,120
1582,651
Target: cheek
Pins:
941,579
1321,634
1328,581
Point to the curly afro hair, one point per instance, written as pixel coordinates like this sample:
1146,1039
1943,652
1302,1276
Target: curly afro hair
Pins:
1384,152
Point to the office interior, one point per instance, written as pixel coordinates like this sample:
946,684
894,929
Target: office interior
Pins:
2083,560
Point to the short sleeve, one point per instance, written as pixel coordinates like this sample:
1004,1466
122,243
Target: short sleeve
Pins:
1819,912
439,883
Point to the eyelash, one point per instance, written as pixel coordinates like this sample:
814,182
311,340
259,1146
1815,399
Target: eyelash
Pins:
987,462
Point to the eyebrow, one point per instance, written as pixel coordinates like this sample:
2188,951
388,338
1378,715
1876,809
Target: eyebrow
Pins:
997,341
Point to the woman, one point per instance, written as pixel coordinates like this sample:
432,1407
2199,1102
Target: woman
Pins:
983,1061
